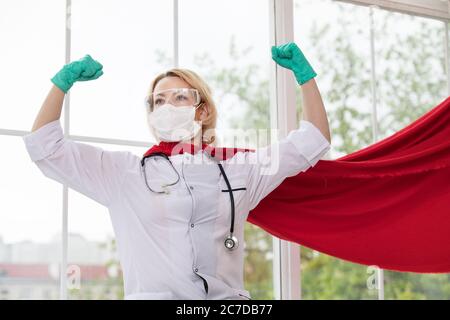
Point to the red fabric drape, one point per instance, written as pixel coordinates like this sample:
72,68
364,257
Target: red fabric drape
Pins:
386,205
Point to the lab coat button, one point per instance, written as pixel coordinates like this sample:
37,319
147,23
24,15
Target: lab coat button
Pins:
192,188
195,269
192,225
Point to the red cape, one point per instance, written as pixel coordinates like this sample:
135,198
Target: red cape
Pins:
386,205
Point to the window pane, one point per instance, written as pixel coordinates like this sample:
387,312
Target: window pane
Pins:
30,226
32,38
337,46
234,59
125,37
405,91
408,90
92,256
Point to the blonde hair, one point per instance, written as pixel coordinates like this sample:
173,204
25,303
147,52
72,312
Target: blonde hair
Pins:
196,82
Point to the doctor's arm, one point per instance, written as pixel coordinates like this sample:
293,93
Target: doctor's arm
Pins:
87,169
51,108
303,147
291,57
313,108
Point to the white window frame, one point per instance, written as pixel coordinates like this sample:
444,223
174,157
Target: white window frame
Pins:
286,255
286,263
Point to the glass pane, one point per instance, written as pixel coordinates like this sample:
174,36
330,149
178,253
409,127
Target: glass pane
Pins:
234,61
126,38
92,257
337,46
32,52
30,227
407,90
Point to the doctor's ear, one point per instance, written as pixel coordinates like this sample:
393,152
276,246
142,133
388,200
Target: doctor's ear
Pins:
204,111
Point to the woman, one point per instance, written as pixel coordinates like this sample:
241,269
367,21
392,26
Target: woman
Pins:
177,233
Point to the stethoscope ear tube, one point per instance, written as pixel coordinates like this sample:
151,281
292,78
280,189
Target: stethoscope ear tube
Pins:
164,187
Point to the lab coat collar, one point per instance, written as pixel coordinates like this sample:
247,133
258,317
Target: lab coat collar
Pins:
171,148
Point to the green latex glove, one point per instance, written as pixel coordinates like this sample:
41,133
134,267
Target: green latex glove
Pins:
81,70
291,57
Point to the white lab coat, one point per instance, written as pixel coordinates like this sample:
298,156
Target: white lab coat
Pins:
171,246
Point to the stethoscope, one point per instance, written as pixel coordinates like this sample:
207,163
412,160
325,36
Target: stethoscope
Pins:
231,242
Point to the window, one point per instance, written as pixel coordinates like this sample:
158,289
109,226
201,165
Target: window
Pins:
339,46
23,31
127,38
28,229
138,39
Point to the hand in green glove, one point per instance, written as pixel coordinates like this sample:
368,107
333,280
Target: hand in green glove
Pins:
291,57
81,70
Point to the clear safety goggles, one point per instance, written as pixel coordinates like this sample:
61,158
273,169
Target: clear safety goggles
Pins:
177,97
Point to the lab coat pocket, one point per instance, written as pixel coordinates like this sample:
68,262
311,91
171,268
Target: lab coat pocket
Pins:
161,295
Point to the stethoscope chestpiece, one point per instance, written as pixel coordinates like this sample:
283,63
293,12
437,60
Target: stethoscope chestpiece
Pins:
231,242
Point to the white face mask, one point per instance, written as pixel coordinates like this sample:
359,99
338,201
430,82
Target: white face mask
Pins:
170,123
